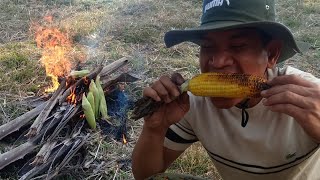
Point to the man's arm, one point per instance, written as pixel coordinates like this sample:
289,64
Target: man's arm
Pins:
150,156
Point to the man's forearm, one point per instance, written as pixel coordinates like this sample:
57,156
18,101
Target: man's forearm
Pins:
147,156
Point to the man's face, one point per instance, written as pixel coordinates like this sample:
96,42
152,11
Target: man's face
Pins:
233,51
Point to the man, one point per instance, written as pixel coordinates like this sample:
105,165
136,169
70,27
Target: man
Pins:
281,138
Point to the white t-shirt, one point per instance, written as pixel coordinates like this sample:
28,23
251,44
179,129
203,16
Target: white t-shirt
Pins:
272,146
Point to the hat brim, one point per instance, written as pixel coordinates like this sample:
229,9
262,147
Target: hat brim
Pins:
276,30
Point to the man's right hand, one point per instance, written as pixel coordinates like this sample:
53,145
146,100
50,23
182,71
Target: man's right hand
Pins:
175,107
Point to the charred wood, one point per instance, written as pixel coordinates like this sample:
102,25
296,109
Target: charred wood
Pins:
38,123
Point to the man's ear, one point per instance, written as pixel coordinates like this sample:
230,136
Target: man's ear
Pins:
273,49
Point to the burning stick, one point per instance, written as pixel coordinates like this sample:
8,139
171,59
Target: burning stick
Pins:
36,126
78,83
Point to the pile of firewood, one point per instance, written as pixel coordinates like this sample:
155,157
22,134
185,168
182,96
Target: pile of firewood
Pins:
59,129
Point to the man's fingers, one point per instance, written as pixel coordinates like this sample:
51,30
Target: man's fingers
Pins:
290,79
303,91
163,89
289,109
149,92
287,97
171,88
177,79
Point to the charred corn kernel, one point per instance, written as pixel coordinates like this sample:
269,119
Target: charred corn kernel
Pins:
90,98
93,88
88,112
79,73
225,85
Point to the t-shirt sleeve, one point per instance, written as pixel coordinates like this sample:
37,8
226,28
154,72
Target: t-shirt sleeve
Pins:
180,135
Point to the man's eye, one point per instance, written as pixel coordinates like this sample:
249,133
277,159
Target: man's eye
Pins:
238,46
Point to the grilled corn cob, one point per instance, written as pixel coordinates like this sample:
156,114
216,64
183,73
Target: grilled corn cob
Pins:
210,85
225,85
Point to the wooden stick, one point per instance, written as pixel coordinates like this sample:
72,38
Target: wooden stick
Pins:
107,70
44,153
38,123
20,121
16,153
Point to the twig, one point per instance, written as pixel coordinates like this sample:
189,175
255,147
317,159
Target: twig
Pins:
115,174
95,156
4,113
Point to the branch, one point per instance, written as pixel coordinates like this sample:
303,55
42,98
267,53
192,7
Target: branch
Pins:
20,121
107,70
16,153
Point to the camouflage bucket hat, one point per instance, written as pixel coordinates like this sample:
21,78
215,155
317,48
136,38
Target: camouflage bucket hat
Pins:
232,14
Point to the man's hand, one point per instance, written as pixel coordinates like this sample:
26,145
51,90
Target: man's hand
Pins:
149,155
296,97
176,106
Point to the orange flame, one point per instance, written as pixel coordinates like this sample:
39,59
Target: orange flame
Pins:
55,46
124,140
72,98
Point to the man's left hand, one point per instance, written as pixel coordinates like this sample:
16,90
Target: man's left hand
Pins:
296,97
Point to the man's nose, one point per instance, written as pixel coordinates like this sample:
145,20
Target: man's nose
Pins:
221,59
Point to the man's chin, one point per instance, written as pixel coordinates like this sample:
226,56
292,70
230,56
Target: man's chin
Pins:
225,103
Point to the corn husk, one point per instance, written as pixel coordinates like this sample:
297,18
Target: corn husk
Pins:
94,90
91,100
81,73
88,112
103,110
103,107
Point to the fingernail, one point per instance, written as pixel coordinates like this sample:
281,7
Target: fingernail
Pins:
264,92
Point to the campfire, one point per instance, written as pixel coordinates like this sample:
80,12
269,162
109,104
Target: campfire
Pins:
62,126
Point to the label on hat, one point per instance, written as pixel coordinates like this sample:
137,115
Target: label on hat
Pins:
215,3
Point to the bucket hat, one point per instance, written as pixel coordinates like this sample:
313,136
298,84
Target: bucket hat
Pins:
220,15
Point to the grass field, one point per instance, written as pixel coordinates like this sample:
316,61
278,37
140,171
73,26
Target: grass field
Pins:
105,30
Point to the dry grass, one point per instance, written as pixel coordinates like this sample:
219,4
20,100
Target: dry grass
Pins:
105,30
